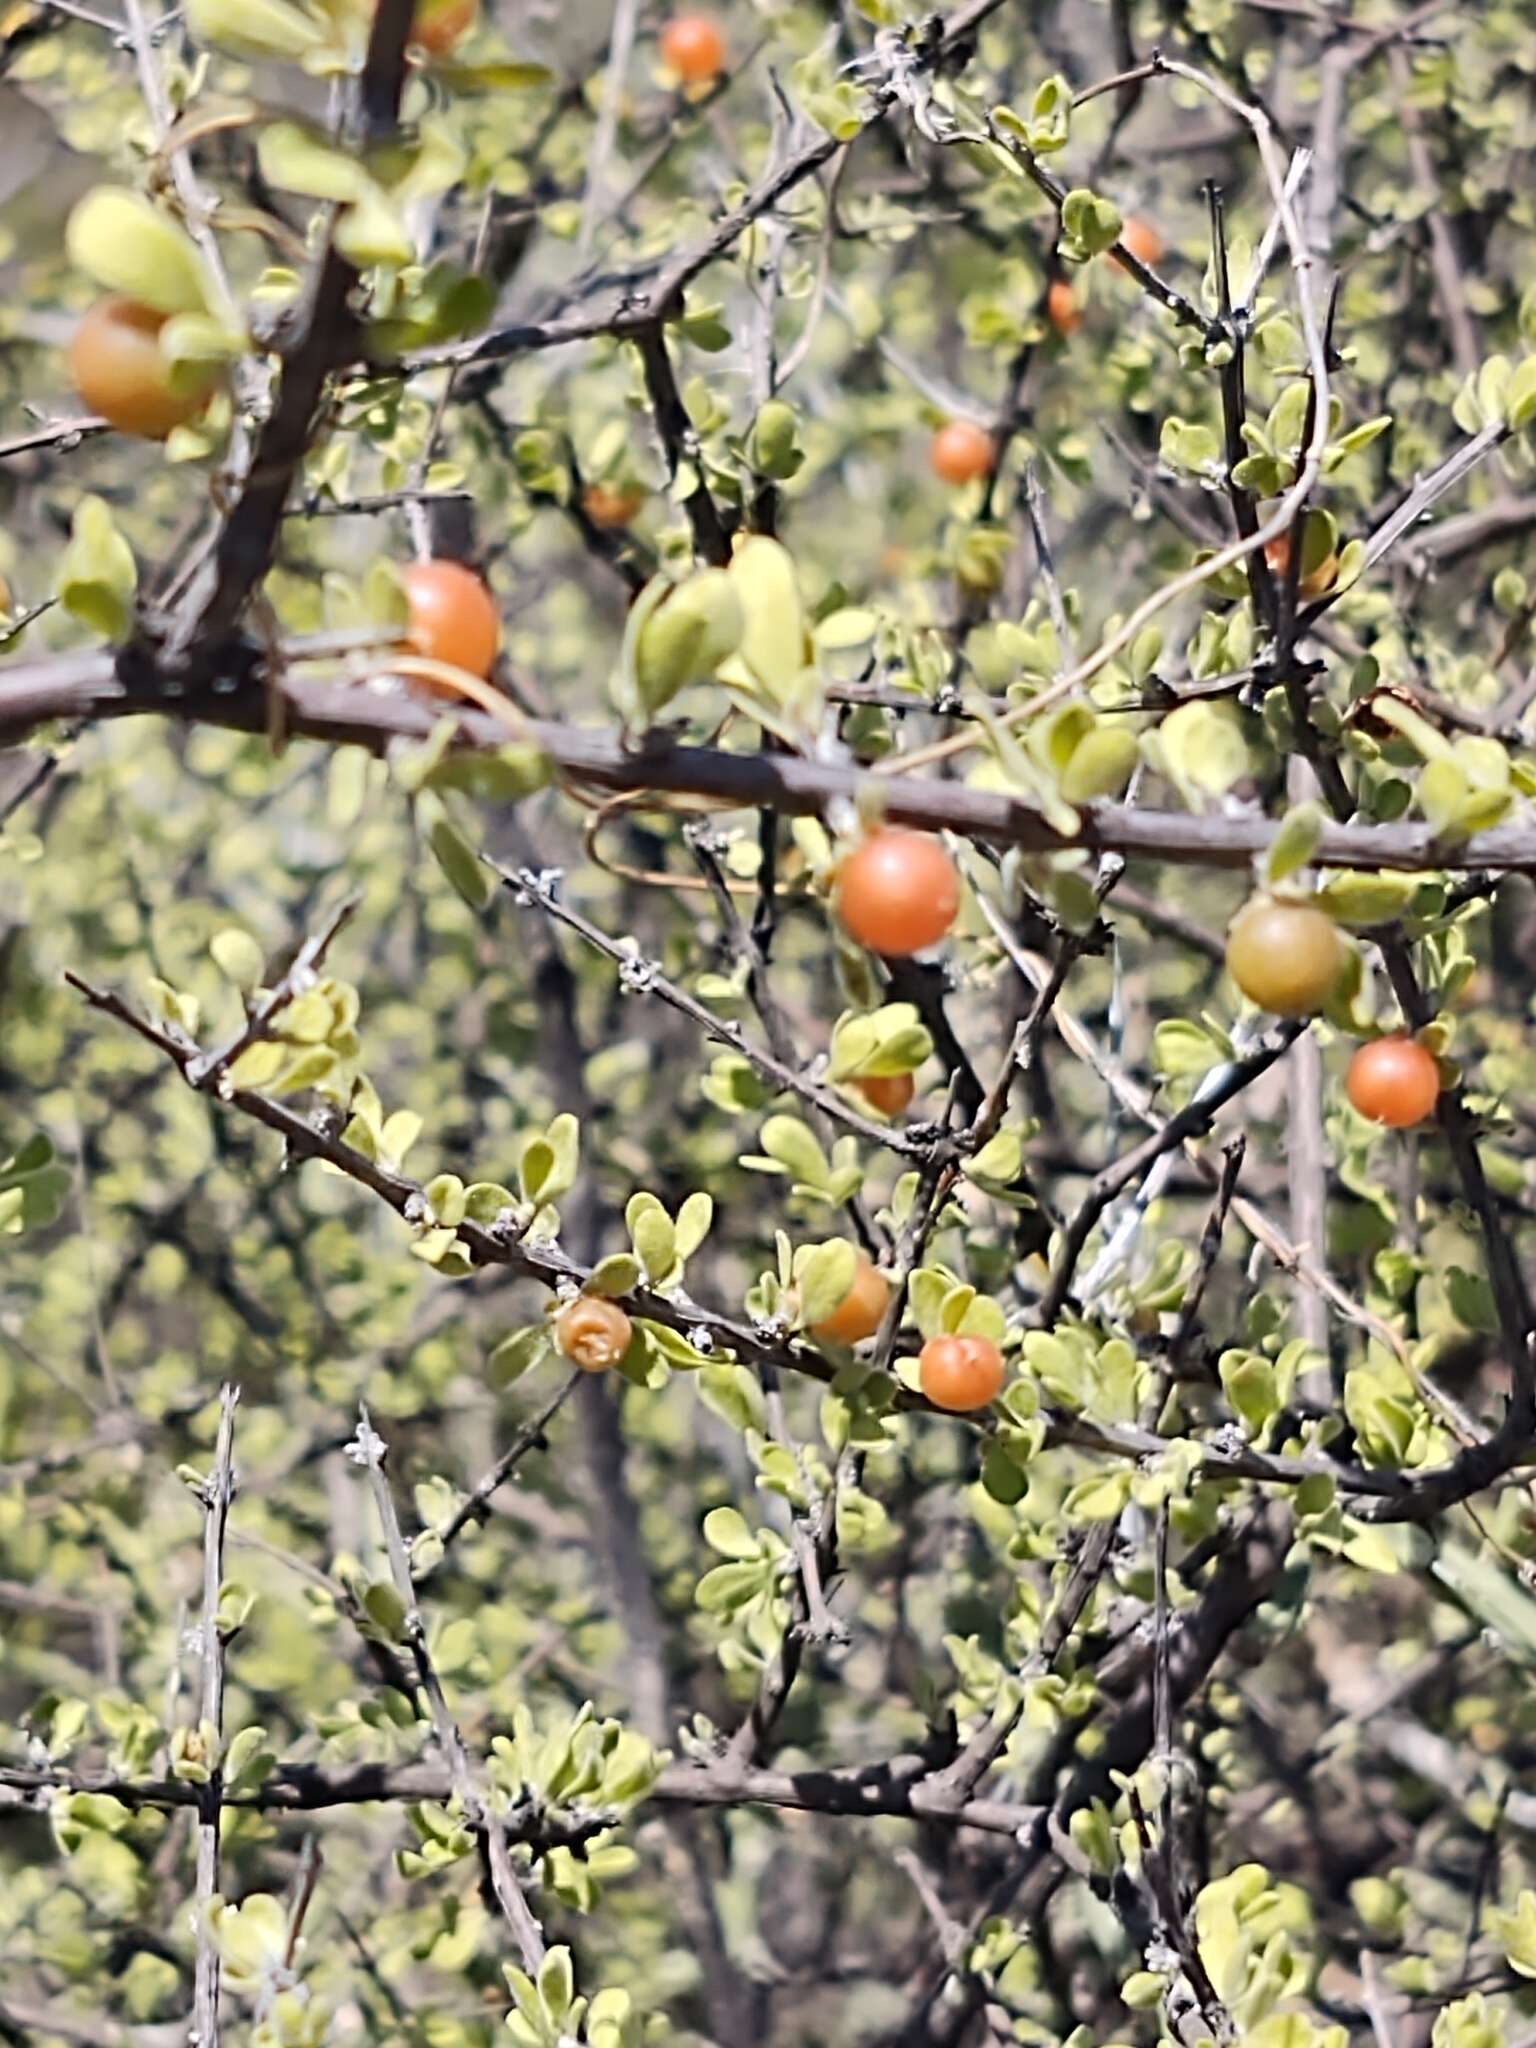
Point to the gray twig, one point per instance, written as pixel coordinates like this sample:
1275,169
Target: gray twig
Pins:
218,1491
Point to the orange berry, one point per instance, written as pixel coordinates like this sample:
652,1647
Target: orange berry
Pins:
960,1373
452,617
592,1333
119,371
1140,239
1393,1081
693,48
1314,582
439,25
860,1312
611,506
1062,309
960,452
889,1093
1284,956
897,891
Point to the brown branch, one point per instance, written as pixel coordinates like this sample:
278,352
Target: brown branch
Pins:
327,336
65,435
896,1787
680,445
86,686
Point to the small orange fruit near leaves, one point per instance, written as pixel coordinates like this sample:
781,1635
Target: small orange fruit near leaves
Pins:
1062,309
1140,239
889,1093
960,1373
592,1333
452,617
961,451
693,48
1393,1081
438,26
860,1312
611,506
119,371
1284,956
897,891
1314,582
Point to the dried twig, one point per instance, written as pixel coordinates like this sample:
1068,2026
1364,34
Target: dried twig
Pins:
368,1450
217,1492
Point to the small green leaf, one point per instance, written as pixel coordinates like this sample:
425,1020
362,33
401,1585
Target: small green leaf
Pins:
385,1608
1001,1477
1295,842
256,28
122,241
618,1274
824,1274
1092,224
684,635
296,159
557,1984
652,1234
97,574
517,1354
237,956
726,1530
461,864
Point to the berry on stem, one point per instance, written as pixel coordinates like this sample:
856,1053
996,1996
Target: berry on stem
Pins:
1062,309
961,451
611,506
1393,1081
1285,957
1140,239
897,891
592,1333
438,26
1313,582
119,370
960,1373
860,1312
452,617
693,48
889,1093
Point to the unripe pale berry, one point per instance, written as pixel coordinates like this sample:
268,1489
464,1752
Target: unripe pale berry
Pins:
1285,957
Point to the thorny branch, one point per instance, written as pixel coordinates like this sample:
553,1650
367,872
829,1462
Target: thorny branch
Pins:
369,1450
218,1491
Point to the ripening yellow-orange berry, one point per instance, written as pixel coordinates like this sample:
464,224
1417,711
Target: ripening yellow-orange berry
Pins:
960,1373
117,366
592,1333
860,1312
